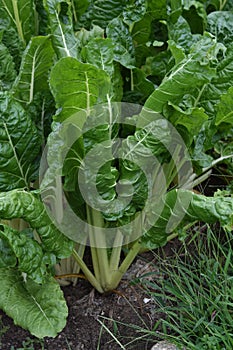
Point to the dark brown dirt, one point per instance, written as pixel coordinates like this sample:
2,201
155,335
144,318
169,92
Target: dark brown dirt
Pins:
123,312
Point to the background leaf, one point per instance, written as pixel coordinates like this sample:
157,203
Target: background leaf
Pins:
7,68
225,108
101,12
191,73
19,143
220,24
77,86
118,31
36,63
21,16
61,27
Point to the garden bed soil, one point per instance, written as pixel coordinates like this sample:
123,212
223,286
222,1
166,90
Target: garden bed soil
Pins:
89,313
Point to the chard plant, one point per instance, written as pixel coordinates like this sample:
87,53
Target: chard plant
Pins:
115,176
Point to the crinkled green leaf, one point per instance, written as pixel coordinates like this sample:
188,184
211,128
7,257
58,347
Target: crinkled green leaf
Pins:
212,92
225,108
158,66
191,73
157,9
19,144
100,53
140,154
84,35
134,11
11,41
118,31
21,15
61,26
36,63
220,24
41,309
180,33
7,256
203,142
77,86
176,51
184,207
22,204
102,12
188,123
7,68
211,209
31,259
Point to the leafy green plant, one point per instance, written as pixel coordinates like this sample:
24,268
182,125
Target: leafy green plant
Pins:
63,63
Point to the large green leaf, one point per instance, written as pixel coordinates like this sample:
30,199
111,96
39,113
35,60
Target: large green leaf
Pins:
184,207
77,86
19,143
7,68
134,12
60,20
225,108
36,63
31,259
100,53
212,92
220,24
157,9
84,35
141,159
186,77
144,30
22,204
119,32
102,12
41,309
11,41
7,256
21,15
181,34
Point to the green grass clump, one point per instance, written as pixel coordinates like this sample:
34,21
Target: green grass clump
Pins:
196,294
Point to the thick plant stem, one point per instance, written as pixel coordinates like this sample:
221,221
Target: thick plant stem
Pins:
89,275
116,252
95,262
117,275
98,248
18,21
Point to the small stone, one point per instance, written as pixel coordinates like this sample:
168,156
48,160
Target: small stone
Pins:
146,300
164,345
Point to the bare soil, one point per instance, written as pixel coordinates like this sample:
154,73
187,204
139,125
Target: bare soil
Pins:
124,313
